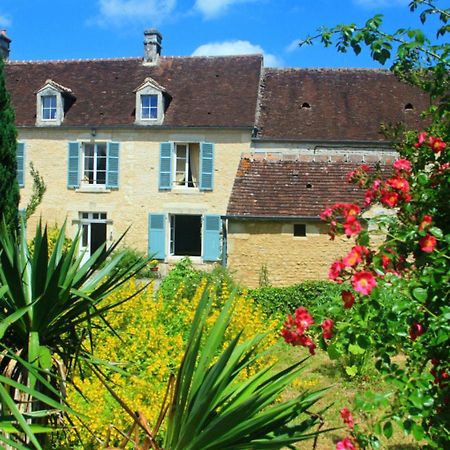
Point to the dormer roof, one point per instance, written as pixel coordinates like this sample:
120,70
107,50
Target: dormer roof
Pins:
56,86
150,82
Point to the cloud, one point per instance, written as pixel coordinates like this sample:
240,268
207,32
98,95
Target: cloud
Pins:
214,8
121,11
236,48
380,3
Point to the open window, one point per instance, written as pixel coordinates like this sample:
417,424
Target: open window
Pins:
186,165
177,235
185,235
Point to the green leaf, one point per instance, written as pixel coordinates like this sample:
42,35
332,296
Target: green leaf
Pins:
355,349
351,371
388,429
418,432
334,352
437,232
45,357
420,294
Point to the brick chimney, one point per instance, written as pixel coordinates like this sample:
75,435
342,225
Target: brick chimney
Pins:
152,46
4,45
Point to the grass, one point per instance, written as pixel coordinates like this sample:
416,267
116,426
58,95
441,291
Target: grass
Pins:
321,372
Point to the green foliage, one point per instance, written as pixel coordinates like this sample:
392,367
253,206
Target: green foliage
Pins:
131,256
37,193
185,277
212,409
47,303
320,296
9,188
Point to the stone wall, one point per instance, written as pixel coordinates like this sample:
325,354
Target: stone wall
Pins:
138,193
289,259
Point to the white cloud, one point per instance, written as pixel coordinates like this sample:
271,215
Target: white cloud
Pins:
214,8
293,45
120,11
236,48
380,3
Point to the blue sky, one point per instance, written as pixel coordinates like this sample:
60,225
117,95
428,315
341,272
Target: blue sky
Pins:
67,29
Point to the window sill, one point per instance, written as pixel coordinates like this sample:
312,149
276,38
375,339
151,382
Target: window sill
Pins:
92,188
185,190
177,258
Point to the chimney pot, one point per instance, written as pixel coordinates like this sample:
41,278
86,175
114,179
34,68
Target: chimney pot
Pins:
152,45
5,42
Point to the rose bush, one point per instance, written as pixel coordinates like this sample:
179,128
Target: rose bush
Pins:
397,311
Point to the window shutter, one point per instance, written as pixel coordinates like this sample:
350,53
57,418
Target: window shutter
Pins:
112,168
206,166
165,165
211,238
73,176
157,236
20,156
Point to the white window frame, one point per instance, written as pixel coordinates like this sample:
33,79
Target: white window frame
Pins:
95,169
149,87
53,108
146,111
49,91
187,164
86,220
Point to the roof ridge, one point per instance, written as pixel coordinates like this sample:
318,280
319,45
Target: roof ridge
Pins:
327,69
75,60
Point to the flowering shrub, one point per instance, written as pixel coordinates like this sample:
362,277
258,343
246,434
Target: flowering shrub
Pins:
148,343
398,305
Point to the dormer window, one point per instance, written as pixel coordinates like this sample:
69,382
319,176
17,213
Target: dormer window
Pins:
52,100
151,101
149,107
48,107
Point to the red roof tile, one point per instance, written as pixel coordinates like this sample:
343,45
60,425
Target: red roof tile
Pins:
205,91
344,104
286,188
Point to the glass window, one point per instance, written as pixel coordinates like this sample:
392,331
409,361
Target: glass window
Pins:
186,165
94,163
48,107
149,106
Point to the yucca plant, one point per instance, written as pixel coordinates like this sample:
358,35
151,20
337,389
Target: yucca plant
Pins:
47,302
211,406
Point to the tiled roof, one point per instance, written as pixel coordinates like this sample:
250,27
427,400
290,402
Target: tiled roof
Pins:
205,91
344,104
291,188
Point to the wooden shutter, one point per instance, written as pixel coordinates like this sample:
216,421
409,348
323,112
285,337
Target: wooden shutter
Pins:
212,226
157,236
112,166
20,156
206,166
165,165
73,171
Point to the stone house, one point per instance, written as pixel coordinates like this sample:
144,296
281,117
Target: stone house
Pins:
155,143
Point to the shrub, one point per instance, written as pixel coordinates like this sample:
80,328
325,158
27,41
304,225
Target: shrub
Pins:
148,343
319,296
132,256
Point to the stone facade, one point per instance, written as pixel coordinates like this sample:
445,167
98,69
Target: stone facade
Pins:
289,259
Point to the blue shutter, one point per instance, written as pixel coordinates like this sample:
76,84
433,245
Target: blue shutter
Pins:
157,236
73,176
112,166
20,155
206,166
165,165
212,226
